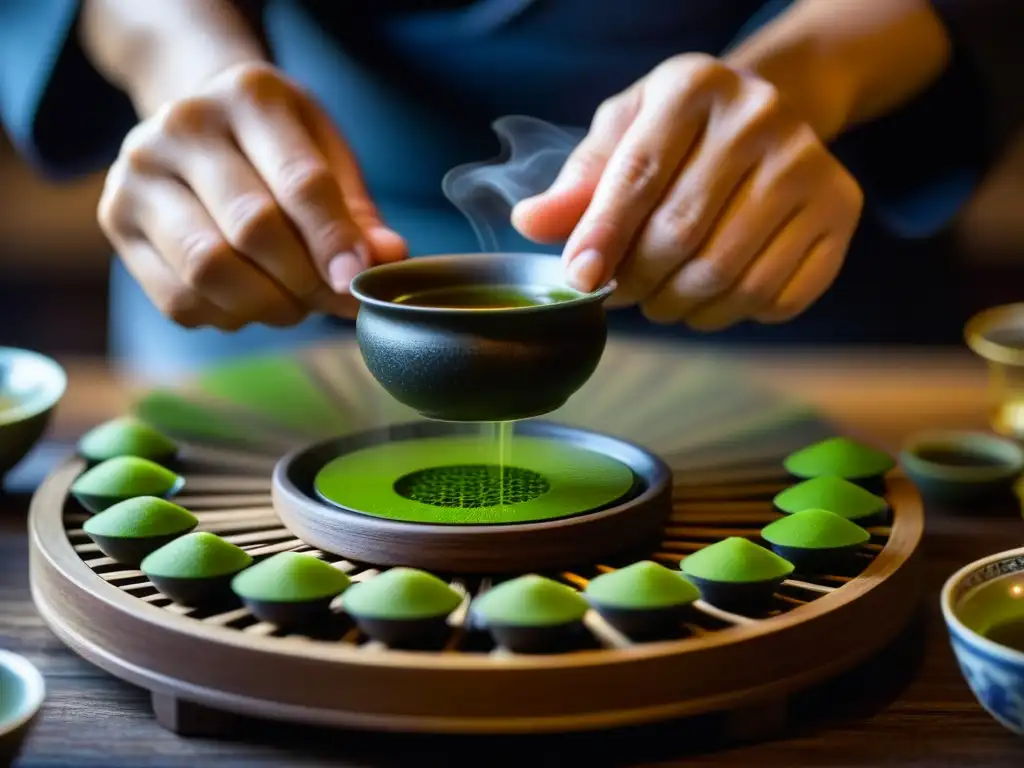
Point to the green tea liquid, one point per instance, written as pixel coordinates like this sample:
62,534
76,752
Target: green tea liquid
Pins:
486,297
1009,633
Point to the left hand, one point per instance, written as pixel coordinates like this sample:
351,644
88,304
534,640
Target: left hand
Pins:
704,197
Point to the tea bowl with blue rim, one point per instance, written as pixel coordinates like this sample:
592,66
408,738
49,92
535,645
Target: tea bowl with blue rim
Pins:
983,606
31,385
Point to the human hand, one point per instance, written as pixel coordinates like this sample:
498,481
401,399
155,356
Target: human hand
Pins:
242,204
705,198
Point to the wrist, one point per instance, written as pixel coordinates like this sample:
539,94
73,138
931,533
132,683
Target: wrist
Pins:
836,75
818,85
158,52
176,71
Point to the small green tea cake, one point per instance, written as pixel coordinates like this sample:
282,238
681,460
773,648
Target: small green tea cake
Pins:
644,598
841,457
131,529
196,568
531,614
402,607
736,574
815,540
124,477
126,436
834,494
290,589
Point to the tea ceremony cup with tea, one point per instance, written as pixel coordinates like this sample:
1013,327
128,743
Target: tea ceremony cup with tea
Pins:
983,606
479,337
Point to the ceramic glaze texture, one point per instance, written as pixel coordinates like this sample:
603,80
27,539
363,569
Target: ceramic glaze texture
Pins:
496,364
994,673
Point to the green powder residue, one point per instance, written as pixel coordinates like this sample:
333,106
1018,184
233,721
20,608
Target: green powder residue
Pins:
198,555
572,480
530,601
736,560
643,585
841,457
401,594
834,494
126,436
290,577
814,529
277,387
141,517
124,476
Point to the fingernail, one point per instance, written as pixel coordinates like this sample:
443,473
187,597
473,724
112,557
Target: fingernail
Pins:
342,269
586,270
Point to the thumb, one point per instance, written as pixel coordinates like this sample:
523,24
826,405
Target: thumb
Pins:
383,244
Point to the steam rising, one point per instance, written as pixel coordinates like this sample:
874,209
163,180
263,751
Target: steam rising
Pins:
532,154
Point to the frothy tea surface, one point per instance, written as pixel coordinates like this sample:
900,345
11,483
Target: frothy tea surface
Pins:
487,297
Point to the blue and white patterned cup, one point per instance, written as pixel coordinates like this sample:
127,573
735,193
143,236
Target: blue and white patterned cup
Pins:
980,596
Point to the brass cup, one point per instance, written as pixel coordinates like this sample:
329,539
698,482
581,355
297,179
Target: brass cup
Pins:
997,336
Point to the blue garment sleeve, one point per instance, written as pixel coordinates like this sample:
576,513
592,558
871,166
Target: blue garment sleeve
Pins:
920,164
60,114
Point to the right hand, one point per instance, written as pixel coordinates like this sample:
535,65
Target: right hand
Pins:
242,204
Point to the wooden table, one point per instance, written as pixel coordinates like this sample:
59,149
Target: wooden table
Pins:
907,707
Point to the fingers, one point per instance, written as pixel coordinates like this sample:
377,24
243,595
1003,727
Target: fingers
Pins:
251,222
637,174
165,289
178,227
552,215
815,276
728,179
385,245
726,228
282,152
757,288
776,283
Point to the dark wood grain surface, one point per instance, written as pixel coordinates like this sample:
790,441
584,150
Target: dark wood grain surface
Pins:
906,707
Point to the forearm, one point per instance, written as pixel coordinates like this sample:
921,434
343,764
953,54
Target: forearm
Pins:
159,51
844,62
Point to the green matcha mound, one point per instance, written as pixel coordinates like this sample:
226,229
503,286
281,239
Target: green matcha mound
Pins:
401,594
126,437
198,555
736,561
841,457
834,494
643,585
290,577
125,476
530,601
141,517
814,529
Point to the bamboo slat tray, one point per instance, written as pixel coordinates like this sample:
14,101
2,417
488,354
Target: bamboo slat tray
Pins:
723,439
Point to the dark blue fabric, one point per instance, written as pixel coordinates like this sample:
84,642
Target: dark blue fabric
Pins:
415,93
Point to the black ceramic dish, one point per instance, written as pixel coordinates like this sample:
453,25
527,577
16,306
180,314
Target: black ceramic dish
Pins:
408,634
301,615
834,560
551,638
209,592
953,467
131,552
739,597
478,364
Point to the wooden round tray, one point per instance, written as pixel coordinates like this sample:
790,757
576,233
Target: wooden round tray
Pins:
197,664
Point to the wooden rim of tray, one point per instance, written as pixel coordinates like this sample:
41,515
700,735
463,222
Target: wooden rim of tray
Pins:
333,684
